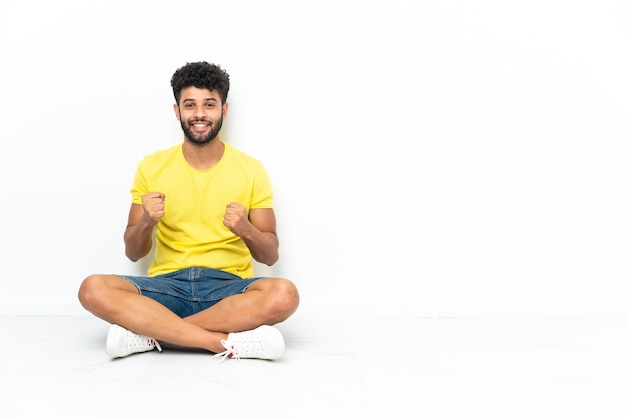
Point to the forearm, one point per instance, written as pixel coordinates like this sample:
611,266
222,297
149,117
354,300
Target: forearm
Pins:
262,245
138,240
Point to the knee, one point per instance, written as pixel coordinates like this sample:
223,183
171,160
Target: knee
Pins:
89,291
286,298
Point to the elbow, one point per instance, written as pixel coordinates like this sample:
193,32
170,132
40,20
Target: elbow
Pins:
132,257
135,255
273,259
268,259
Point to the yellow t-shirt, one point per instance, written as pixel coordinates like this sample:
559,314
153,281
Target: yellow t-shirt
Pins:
192,233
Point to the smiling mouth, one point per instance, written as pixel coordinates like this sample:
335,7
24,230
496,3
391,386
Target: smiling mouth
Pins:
200,126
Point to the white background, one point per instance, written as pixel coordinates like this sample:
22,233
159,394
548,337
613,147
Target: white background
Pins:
429,158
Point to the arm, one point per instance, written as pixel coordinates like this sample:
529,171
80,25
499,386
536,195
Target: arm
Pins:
141,221
258,231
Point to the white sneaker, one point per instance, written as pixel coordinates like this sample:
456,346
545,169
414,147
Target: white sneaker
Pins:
122,342
264,342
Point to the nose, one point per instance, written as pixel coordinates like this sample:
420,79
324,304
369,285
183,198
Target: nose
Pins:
199,112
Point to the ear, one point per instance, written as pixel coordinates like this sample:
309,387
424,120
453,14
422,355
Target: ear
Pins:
225,110
177,111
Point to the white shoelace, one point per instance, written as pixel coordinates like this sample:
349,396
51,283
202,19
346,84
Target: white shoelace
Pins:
231,351
141,341
237,349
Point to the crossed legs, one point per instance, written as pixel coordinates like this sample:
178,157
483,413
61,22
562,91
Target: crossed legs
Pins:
116,300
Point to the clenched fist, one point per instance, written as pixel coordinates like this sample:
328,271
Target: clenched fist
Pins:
236,218
153,207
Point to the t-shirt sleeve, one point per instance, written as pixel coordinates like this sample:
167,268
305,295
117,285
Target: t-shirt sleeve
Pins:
263,194
140,186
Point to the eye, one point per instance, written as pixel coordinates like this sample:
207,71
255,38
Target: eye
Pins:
189,105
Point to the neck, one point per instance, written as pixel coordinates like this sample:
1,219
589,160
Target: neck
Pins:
204,156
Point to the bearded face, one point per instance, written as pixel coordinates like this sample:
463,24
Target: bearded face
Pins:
201,114
201,131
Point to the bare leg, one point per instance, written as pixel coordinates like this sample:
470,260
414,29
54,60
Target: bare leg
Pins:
117,301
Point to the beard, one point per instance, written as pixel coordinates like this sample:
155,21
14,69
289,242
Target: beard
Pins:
205,138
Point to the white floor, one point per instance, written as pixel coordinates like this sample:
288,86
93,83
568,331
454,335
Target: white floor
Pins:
420,367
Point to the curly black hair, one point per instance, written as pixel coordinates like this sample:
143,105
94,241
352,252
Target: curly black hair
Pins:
202,75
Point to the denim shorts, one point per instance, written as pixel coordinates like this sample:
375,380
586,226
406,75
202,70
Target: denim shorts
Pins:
191,290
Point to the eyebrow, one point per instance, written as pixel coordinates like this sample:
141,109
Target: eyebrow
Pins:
208,99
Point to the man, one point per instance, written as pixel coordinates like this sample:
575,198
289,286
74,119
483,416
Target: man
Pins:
209,208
